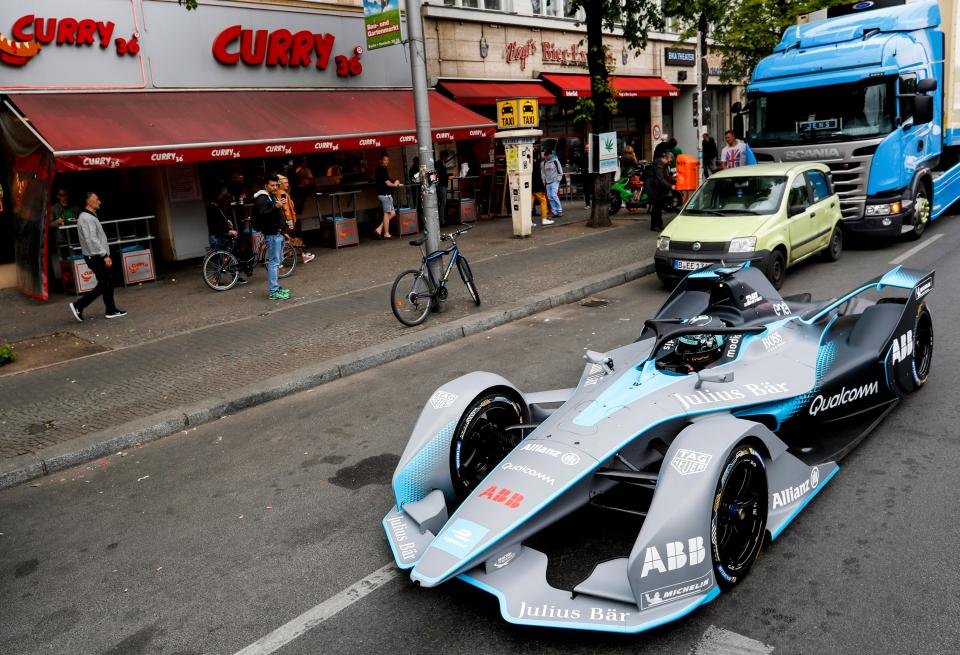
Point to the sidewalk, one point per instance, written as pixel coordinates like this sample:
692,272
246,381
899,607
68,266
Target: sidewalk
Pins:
186,354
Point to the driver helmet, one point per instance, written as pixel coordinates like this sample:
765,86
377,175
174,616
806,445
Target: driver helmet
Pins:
700,350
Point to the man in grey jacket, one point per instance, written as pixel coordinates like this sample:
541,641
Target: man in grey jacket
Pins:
96,253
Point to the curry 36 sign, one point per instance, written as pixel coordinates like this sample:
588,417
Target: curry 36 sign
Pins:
144,44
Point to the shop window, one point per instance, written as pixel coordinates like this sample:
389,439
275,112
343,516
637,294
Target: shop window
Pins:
490,5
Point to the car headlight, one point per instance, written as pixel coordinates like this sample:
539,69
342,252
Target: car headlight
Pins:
743,244
884,209
663,243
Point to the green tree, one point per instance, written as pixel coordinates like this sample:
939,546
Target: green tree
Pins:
636,18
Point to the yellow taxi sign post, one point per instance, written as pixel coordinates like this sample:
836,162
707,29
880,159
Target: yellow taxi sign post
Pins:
529,112
508,112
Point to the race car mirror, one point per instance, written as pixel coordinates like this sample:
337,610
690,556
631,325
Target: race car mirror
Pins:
603,360
721,378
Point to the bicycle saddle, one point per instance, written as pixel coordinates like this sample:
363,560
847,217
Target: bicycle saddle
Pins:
418,242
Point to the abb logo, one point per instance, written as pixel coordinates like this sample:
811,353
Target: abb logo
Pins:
503,495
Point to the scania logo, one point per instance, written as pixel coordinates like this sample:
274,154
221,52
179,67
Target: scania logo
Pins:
812,153
408,138
696,245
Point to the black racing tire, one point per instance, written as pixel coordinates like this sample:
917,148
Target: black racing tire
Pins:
616,202
480,441
832,252
776,268
411,297
921,213
221,270
922,356
738,520
467,276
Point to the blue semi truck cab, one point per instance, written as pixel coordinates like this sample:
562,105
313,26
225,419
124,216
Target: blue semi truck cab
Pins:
869,94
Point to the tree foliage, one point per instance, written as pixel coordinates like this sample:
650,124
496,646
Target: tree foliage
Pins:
190,5
743,31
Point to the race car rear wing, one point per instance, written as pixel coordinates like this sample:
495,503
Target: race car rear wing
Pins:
917,279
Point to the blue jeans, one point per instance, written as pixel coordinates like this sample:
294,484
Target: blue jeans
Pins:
274,255
554,198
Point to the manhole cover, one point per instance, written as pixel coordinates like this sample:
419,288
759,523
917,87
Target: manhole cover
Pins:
594,302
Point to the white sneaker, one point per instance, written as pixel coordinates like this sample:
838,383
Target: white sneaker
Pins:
547,221
308,257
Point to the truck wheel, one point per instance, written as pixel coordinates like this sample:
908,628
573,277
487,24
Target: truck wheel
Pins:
921,214
739,519
832,252
776,268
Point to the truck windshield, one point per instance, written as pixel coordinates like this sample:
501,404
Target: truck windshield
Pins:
841,112
730,196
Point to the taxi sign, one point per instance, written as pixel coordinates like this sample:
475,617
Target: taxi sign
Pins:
529,112
508,113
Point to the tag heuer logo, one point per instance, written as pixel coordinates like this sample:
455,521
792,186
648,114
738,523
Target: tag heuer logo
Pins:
688,462
696,245
441,399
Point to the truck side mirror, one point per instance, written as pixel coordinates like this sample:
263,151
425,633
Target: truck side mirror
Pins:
922,109
927,85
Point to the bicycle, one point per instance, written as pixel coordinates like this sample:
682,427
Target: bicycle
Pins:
416,291
222,267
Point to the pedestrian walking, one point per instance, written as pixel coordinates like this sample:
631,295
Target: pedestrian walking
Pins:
552,173
96,253
290,217
385,196
734,153
540,196
710,154
270,222
658,187
586,180
442,175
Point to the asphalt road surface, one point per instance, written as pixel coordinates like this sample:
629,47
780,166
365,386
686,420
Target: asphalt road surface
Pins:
208,541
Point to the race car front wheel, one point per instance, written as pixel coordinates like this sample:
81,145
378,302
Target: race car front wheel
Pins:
481,440
739,519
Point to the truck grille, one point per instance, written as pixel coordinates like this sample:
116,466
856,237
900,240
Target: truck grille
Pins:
850,183
705,246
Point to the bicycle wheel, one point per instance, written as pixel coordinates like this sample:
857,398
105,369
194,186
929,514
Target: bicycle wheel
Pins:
467,275
289,261
411,297
221,270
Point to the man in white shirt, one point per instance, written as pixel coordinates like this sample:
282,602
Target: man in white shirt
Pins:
96,253
734,154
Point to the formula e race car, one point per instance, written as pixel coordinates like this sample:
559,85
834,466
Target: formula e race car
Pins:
710,433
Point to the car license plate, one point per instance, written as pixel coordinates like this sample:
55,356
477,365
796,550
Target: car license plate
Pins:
685,265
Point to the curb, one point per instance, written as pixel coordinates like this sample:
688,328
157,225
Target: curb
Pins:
99,444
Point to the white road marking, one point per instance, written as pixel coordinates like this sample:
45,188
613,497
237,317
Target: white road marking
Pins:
328,608
717,641
915,250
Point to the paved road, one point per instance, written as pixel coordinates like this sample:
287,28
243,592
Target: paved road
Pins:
207,541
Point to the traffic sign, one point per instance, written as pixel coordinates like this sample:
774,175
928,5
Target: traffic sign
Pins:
508,112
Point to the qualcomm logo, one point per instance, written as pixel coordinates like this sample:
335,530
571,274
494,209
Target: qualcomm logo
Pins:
526,470
821,403
902,347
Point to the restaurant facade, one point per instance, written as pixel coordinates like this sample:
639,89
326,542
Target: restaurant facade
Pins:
157,109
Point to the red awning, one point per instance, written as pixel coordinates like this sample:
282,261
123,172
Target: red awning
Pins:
578,86
487,93
112,130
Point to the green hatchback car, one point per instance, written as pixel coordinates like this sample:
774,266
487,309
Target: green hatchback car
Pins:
773,215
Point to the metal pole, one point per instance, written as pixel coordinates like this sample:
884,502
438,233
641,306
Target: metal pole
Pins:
421,107
702,72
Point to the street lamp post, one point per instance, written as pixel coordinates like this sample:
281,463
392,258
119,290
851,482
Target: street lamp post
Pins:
421,107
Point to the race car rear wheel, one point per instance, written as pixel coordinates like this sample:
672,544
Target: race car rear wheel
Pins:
481,440
739,520
922,355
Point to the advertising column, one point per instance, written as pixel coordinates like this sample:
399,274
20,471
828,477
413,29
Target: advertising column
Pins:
512,117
